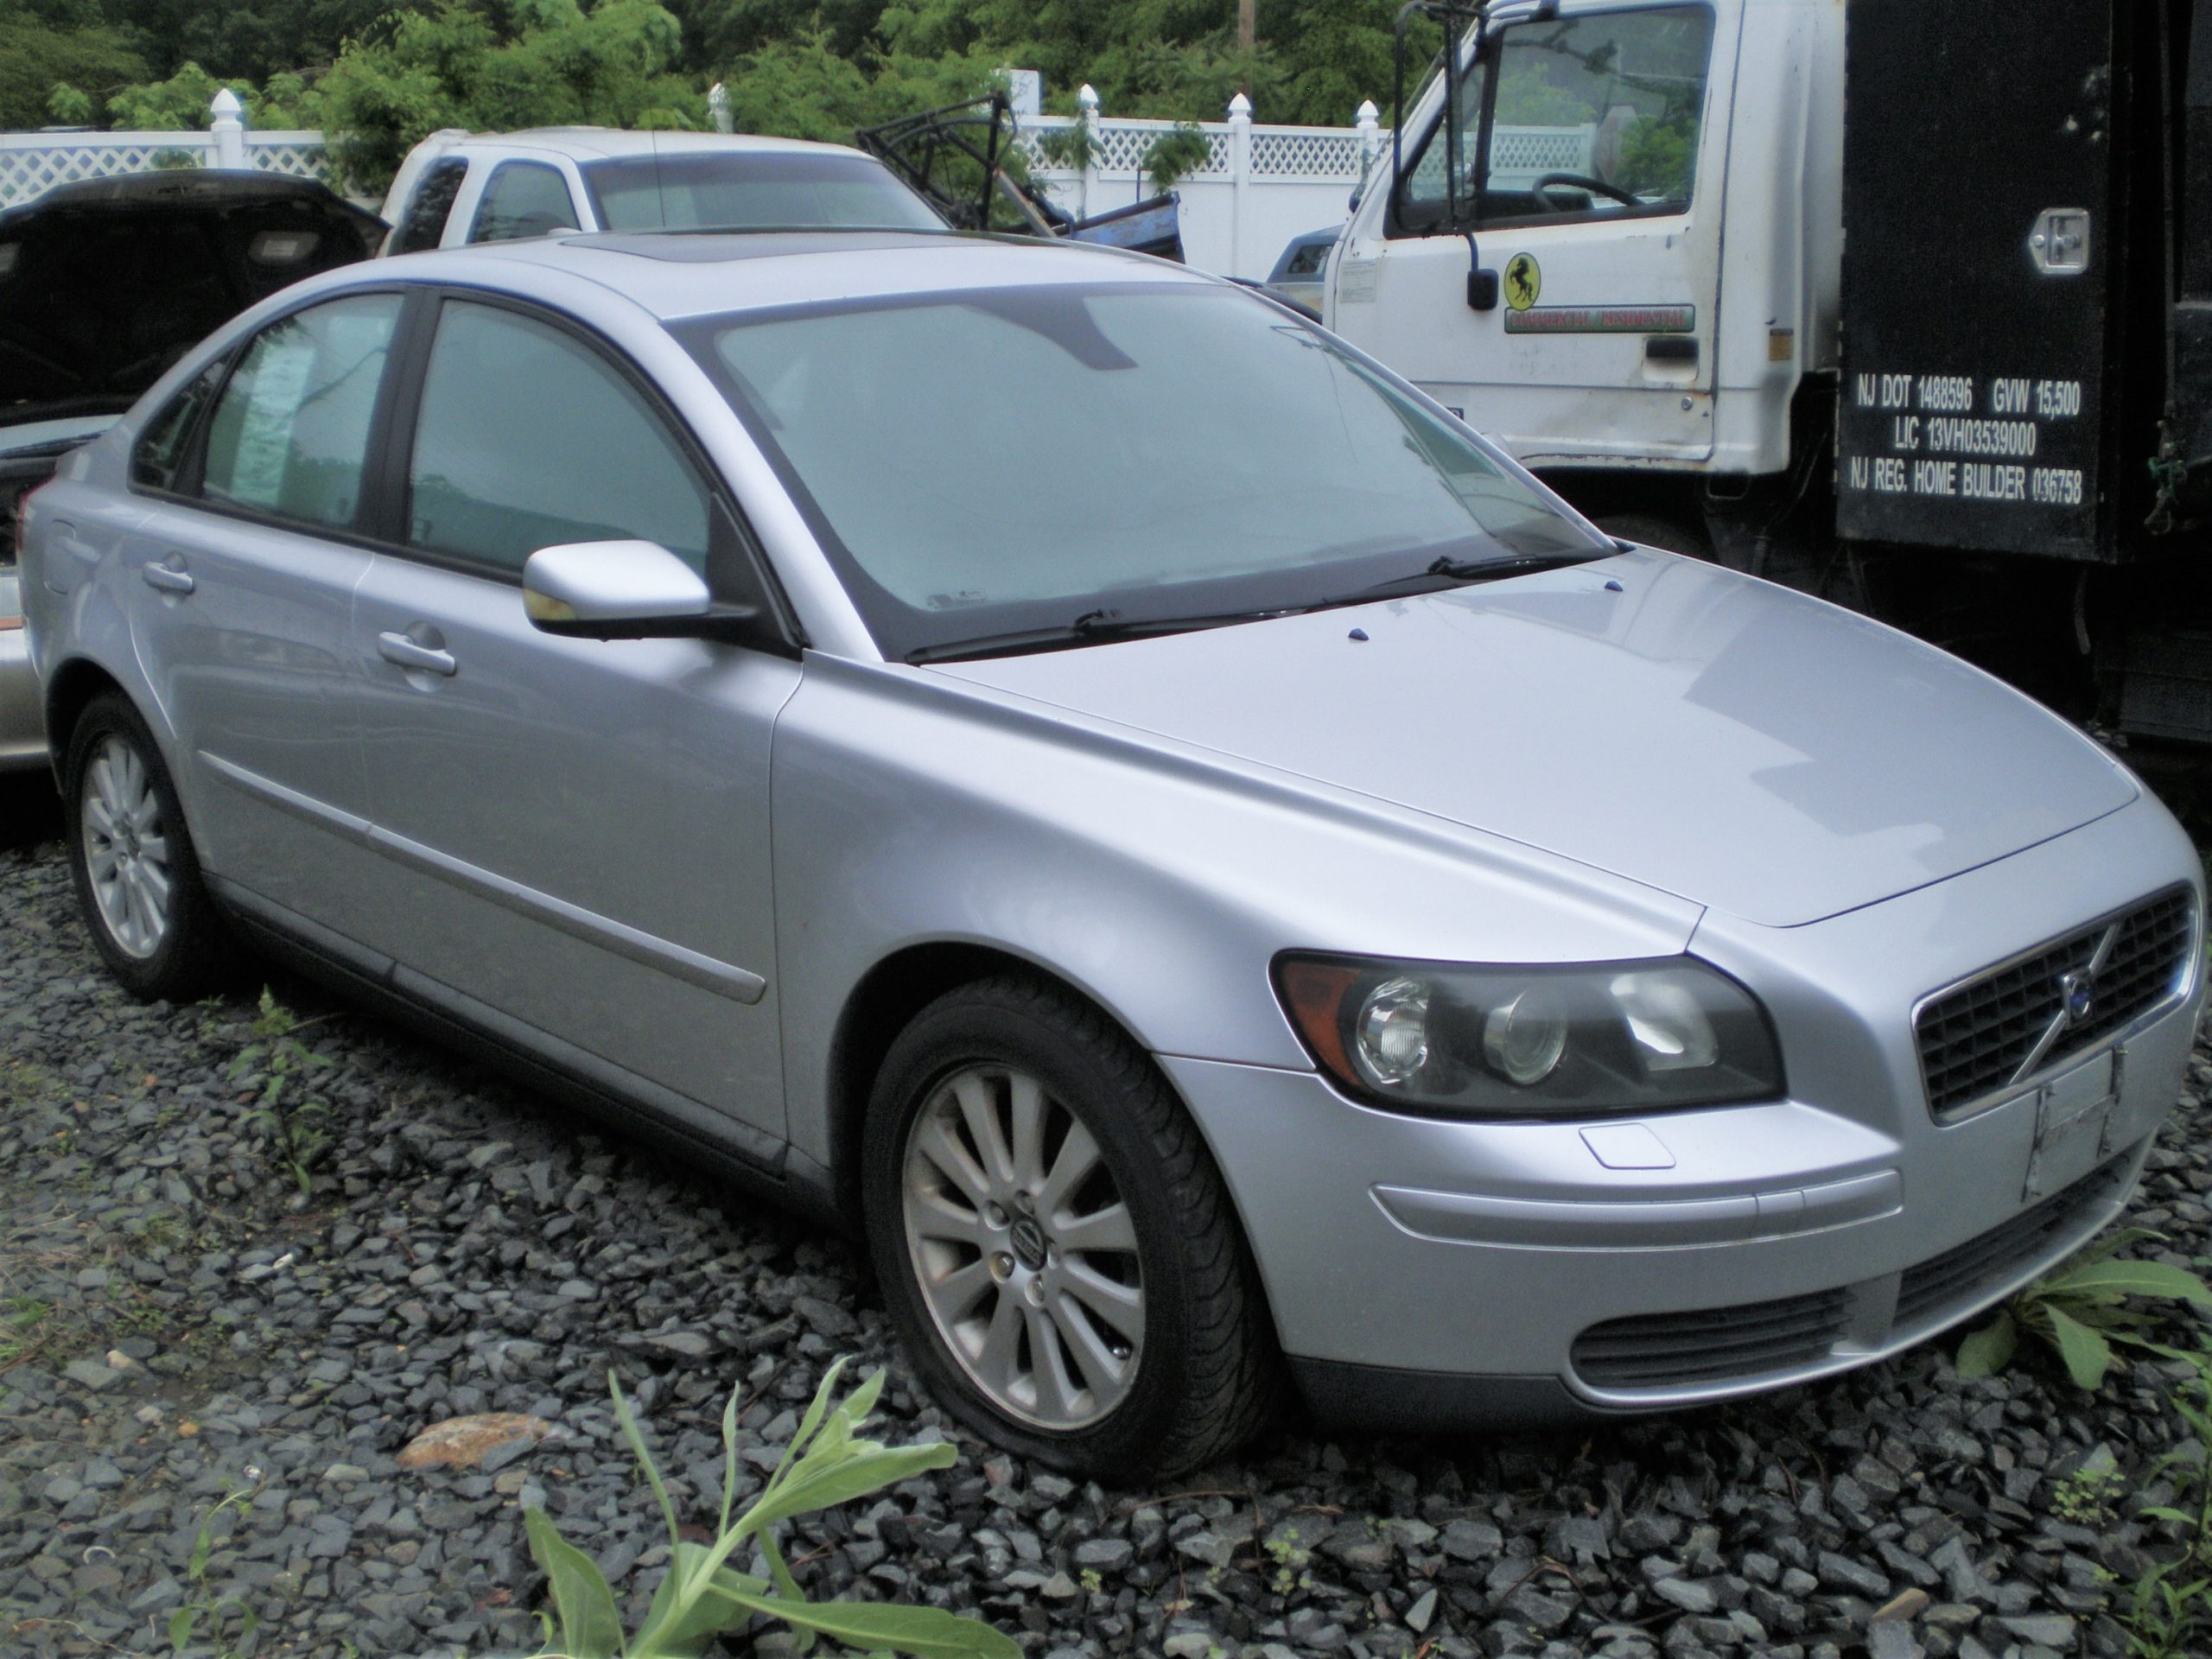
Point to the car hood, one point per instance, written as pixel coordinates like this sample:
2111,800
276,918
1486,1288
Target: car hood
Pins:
1731,742
105,283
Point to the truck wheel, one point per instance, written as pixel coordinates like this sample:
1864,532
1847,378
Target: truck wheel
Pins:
1054,1243
137,879
1655,532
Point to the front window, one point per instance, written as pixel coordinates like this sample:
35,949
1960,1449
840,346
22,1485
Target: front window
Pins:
1594,116
982,463
753,190
527,438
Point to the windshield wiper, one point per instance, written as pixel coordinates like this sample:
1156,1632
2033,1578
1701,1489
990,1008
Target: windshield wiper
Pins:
1091,628
1467,571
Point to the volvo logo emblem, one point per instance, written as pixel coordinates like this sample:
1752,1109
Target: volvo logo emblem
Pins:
1029,1243
2079,990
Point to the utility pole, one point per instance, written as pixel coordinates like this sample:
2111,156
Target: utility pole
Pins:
1247,24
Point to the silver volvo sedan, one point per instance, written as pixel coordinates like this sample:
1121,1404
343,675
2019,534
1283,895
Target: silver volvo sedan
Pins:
1060,762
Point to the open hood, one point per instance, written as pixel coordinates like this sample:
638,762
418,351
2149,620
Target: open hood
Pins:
104,283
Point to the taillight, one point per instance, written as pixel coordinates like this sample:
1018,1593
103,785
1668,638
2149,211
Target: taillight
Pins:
22,516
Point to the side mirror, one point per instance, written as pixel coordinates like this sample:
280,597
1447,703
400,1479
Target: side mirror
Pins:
627,590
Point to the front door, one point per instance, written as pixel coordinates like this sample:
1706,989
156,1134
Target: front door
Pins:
1592,158
576,831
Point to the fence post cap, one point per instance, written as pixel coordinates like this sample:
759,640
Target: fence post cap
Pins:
226,105
1240,108
1087,95
1367,115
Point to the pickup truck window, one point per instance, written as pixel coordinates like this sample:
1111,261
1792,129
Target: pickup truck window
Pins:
524,199
1594,116
423,224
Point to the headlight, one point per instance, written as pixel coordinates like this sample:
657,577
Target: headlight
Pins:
1552,1041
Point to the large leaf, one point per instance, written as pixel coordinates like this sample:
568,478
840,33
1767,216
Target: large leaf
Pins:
926,1633
2088,1355
645,1459
590,1626
1990,1350
856,1476
2137,1278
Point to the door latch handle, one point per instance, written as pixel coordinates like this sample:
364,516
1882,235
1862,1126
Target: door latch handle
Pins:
169,578
397,648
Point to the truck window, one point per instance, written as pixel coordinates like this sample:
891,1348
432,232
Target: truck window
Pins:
424,224
1593,116
524,199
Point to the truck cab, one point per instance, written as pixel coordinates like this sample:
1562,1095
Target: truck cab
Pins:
1907,304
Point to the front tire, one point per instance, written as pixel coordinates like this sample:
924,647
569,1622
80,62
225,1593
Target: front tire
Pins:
1054,1242
138,883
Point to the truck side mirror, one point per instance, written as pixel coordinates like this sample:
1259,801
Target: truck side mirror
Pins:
1482,285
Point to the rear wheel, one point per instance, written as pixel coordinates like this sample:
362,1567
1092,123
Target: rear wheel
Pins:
1053,1240
138,880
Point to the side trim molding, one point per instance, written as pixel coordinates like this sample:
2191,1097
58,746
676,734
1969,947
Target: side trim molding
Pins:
692,967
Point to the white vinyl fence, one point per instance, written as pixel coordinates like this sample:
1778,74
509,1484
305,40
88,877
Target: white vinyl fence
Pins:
31,163
1258,186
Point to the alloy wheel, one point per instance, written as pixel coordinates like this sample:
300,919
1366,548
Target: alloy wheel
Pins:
1024,1251
126,847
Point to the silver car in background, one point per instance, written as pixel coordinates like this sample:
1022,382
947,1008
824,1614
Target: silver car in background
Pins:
1305,899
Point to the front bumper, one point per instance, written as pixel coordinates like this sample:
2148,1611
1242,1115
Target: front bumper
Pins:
1423,1270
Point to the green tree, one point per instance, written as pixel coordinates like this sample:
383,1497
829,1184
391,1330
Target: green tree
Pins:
44,43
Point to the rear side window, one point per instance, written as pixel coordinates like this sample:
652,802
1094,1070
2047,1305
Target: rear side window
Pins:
529,438
166,443
425,221
290,436
524,199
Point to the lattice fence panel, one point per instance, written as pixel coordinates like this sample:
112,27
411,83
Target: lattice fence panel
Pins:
1531,152
29,171
294,157
1304,153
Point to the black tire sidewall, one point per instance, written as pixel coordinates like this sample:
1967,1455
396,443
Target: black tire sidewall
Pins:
963,1030
185,962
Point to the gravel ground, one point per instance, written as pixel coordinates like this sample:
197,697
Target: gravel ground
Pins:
179,1323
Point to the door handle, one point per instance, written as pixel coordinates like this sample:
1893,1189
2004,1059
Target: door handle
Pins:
170,577
397,648
1671,348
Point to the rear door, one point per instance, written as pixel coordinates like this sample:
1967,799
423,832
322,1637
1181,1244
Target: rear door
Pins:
1592,143
240,582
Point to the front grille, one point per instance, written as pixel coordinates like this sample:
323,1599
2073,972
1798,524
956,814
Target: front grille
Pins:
1981,1035
1954,1279
1656,1350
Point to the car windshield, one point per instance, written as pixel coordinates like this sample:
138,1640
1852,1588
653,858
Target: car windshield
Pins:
987,462
752,190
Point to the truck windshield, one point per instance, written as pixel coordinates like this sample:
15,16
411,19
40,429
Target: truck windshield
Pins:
982,463
1594,115
753,190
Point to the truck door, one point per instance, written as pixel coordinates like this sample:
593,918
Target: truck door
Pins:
1593,139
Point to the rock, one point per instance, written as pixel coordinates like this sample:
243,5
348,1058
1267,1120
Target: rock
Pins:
1419,1615
1892,1638
2045,1630
1690,1598
90,1374
462,1442
1104,1554
1906,1604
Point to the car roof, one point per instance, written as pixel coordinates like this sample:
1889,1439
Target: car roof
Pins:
594,144
678,275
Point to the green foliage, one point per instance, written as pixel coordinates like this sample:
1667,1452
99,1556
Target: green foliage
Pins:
1181,150
1656,157
2081,1309
43,47
1075,146
446,65
292,1122
221,1613
2170,1612
828,1463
